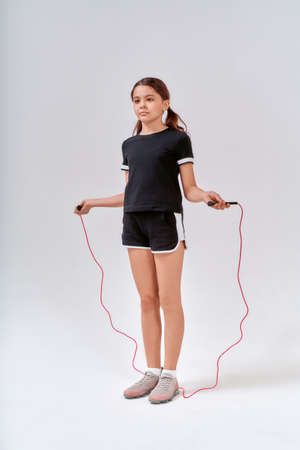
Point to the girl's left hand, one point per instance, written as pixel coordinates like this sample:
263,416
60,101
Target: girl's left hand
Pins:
214,197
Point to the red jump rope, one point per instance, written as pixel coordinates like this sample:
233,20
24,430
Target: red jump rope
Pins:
210,203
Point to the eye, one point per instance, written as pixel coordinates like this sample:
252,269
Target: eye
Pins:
137,101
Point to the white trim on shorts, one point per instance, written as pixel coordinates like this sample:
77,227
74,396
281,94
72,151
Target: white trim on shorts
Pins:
180,232
133,246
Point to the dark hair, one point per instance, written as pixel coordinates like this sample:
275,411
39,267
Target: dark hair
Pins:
160,87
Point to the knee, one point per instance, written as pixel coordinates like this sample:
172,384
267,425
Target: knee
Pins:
170,302
149,302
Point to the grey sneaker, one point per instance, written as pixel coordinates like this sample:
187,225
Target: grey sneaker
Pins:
143,386
165,390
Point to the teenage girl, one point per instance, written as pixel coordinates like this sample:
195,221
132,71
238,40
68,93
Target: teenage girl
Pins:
153,228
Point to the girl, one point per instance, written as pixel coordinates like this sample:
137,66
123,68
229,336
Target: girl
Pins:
153,229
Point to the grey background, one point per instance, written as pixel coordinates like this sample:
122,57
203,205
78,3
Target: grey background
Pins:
232,68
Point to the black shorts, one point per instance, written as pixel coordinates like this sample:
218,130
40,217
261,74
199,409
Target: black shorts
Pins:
160,231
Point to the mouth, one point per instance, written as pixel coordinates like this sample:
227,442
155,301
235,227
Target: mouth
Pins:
142,113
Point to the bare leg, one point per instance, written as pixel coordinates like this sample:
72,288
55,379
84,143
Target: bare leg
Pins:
152,331
144,273
169,270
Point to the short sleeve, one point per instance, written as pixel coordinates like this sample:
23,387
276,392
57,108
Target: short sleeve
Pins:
184,151
124,165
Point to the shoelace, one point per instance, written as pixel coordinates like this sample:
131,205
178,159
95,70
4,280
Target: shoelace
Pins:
147,375
164,382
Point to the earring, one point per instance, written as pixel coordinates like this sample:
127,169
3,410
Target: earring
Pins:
163,118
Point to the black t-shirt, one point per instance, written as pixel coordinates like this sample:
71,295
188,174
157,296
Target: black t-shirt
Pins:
153,162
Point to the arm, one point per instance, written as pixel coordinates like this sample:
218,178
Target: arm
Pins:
114,201
191,191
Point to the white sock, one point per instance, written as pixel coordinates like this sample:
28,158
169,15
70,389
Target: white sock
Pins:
155,370
169,372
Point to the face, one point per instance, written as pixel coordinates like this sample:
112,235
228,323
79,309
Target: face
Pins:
147,100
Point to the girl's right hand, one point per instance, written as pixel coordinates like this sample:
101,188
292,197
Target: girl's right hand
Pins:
86,205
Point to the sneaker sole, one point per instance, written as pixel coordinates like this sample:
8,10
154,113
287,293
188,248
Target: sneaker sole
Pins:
138,395
153,400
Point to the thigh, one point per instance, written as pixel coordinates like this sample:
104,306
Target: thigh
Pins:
133,235
169,271
144,272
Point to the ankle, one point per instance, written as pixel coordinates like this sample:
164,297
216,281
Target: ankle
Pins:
169,372
155,370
